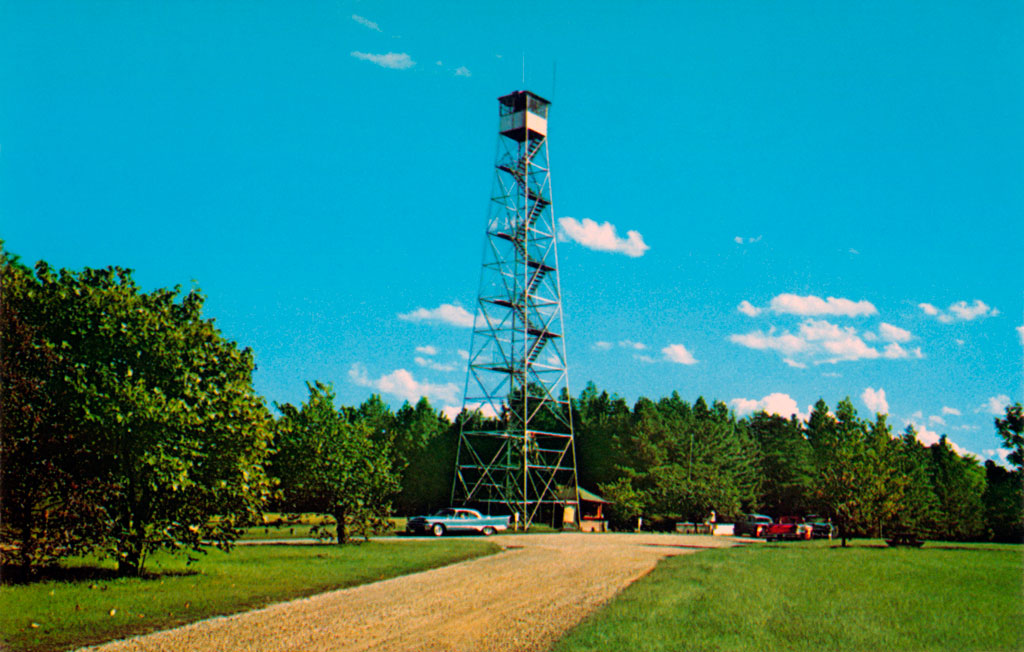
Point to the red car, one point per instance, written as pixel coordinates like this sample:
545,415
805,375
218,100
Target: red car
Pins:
790,528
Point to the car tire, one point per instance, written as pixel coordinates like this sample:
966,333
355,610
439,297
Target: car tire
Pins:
437,530
488,531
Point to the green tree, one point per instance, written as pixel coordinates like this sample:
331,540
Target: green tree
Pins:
785,463
959,484
156,409
1011,430
918,506
329,464
842,476
423,457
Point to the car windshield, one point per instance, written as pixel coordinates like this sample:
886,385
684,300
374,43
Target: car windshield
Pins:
444,512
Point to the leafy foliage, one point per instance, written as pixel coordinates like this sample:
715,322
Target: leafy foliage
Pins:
151,429
330,463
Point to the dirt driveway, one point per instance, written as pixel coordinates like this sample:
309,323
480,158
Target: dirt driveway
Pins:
523,599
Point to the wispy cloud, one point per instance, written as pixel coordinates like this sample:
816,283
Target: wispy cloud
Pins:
949,410
1020,333
452,411
433,364
959,311
678,353
426,350
366,22
994,405
891,333
393,60
463,71
749,309
875,400
778,403
601,237
446,313
820,341
402,384
929,437
812,306
741,240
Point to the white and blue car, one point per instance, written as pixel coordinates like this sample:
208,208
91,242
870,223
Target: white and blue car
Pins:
457,520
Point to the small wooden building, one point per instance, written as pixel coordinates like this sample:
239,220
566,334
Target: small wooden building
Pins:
592,517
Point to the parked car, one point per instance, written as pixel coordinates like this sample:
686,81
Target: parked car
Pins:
456,519
821,527
753,524
788,528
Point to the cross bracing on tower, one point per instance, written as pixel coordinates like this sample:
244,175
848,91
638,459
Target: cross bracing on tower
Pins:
518,453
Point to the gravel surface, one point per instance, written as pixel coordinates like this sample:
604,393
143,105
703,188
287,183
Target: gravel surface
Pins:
523,599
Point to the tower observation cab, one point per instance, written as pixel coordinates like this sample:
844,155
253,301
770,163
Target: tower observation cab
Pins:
524,116
516,453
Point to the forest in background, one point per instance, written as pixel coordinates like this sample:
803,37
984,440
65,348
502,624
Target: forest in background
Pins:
130,425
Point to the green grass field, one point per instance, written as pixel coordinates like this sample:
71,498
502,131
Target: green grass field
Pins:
302,526
94,607
818,596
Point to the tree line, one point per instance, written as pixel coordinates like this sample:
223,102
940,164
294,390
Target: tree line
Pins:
129,424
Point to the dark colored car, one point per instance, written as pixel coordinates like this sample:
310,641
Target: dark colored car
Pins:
821,527
753,524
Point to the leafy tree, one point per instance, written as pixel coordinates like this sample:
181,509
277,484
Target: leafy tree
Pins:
155,410
329,464
1011,430
841,485
785,462
46,512
424,457
959,484
918,506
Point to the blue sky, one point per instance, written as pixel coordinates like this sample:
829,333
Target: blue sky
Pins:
762,203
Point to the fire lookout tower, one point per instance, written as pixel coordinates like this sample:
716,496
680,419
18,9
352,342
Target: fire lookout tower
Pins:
517,452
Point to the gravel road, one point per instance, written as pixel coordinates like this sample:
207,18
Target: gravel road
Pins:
522,599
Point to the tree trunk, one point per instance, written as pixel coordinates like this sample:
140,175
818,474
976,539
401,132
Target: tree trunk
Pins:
339,517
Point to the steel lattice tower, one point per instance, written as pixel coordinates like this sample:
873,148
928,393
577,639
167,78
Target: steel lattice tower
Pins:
522,458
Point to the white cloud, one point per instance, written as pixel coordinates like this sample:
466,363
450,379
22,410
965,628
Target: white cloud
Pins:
604,346
393,60
402,384
453,411
948,410
875,400
426,350
891,333
749,309
630,344
740,239
446,313
433,364
794,363
678,353
937,420
602,237
463,71
785,343
644,358
810,305
959,311
966,312
366,22
821,341
1020,332
781,404
995,404
464,354
929,437
997,455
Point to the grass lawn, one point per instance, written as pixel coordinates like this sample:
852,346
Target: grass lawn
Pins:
94,607
818,596
301,526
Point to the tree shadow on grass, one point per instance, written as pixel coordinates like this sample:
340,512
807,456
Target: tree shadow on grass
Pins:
10,574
